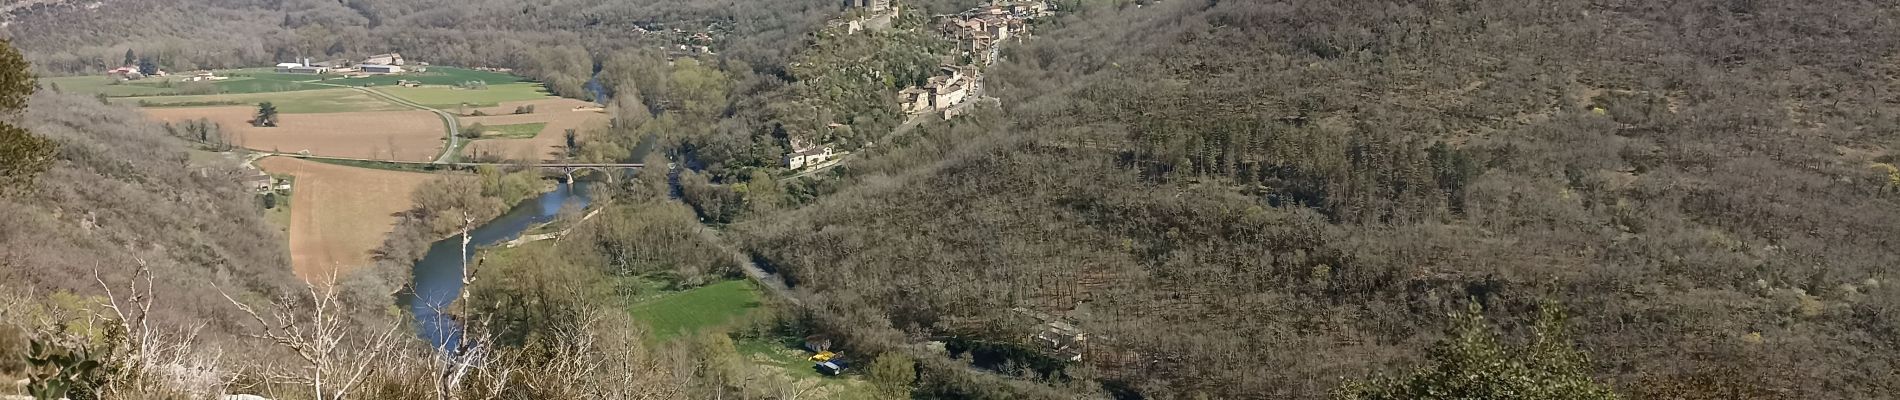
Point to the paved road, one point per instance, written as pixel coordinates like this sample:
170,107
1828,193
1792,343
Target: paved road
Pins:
772,282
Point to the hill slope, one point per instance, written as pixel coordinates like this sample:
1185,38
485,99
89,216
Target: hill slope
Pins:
1257,199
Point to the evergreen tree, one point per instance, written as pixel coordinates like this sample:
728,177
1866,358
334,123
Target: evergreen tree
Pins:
147,67
1472,363
23,156
266,115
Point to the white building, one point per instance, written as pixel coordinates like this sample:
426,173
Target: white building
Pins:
810,156
379,68
384,59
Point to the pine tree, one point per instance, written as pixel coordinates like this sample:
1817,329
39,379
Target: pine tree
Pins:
23,156
266,115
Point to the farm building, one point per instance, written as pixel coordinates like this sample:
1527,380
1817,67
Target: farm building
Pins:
379,69
818,343
205,76
384,59
301,68
259,183
807,156
127,73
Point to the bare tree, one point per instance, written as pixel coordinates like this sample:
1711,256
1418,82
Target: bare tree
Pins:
151,357
317,336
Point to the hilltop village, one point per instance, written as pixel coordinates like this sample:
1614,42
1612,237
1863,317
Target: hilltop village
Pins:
978,36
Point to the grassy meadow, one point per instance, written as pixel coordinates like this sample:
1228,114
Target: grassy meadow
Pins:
513,131
672,314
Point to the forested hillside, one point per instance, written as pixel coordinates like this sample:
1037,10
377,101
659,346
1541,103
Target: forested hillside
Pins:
1231,199
554,41
120,206
120,193
1266,199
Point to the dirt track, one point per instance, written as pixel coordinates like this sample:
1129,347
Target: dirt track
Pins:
560,114
381,135
339,214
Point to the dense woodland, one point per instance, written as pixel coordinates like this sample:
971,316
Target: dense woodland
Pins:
555,41
1268,199
1235,199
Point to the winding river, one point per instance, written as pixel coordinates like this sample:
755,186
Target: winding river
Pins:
438,276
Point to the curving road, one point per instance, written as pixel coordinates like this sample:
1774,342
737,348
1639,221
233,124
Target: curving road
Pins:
455,127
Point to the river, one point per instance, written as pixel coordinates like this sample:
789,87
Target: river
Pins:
438,276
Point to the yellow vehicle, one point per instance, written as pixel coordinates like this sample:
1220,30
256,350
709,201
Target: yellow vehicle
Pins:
823,356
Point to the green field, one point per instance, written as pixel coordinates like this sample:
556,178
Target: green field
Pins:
102,85
672,314
299,102
255,80
435,76
239,86
513,131
504,87
449,97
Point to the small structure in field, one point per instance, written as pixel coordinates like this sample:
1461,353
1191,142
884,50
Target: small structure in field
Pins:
818,343
205,76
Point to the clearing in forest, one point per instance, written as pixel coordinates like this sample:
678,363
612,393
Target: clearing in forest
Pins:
672,314
777,361
383,135
339,214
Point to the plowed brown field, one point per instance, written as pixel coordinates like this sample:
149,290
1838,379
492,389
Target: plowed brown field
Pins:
378,135
339,214
559,114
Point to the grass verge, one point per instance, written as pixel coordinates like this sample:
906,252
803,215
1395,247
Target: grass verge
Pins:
381,165
513,131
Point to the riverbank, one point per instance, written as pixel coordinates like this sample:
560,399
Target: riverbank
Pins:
536,237
436,280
